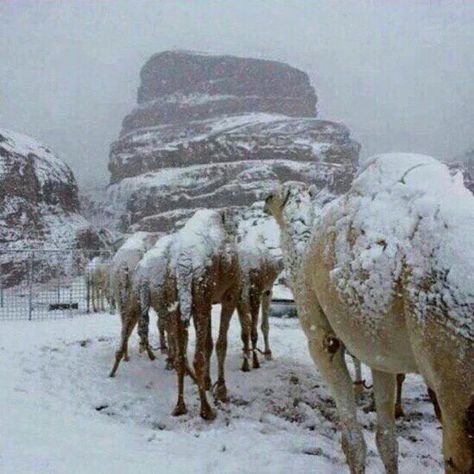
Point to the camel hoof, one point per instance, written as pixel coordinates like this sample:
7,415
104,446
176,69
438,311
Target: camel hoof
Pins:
245,365
164,350
256,363
169,365
268,355
112,374
207,413
399,413
126,358
220,392
151,356
180,409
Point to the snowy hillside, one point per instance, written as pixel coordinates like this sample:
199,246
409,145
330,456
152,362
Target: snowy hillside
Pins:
39,205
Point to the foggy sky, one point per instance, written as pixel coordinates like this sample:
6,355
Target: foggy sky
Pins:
399,73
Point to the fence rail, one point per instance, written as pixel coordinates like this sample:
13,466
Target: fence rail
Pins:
47,284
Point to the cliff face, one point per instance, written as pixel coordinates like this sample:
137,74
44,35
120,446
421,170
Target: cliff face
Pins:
213,131
39,204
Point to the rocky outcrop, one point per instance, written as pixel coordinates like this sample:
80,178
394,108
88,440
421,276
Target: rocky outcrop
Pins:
213,131
39,205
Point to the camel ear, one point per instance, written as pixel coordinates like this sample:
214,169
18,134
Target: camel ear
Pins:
312,190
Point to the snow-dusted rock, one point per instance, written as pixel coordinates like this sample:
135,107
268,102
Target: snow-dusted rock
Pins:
214,131
39,205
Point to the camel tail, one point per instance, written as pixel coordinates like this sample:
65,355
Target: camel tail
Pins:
125,287
144,318
185,290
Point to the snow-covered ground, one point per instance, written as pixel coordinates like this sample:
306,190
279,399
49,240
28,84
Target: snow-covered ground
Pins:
59,411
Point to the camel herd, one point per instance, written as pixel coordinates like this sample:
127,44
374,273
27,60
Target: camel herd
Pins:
382,273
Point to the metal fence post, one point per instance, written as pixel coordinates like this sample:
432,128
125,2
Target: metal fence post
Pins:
30,283
88,293
58,286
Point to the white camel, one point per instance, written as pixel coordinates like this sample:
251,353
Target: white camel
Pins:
388,275
97,274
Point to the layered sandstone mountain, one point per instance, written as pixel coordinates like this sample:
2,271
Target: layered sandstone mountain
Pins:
39,205
214,131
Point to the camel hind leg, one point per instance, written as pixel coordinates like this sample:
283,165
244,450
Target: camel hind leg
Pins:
228,306
457,412
161,323
171,353
254,309
445,360
358,382
143,325
129,320
180,334
201,362
244,319
398,404
265,326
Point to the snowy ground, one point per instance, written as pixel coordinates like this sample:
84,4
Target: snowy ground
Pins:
59,412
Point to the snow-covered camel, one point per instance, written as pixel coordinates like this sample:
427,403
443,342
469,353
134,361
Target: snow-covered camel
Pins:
388,274
121,272
205,262
261,262
97,274
154,286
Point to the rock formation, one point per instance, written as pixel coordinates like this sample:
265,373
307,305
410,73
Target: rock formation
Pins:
213,131
39,206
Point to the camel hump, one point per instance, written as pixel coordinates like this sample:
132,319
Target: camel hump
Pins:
405,218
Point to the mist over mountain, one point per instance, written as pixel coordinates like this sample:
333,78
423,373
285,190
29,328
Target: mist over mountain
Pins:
398,74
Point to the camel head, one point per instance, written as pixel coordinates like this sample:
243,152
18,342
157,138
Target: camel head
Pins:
291,201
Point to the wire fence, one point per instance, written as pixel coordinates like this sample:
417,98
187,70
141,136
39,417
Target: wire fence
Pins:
52,284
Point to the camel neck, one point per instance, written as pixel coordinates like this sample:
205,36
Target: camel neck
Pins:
295,237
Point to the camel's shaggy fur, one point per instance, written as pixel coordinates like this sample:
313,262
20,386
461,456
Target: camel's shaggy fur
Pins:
121,272
387,276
